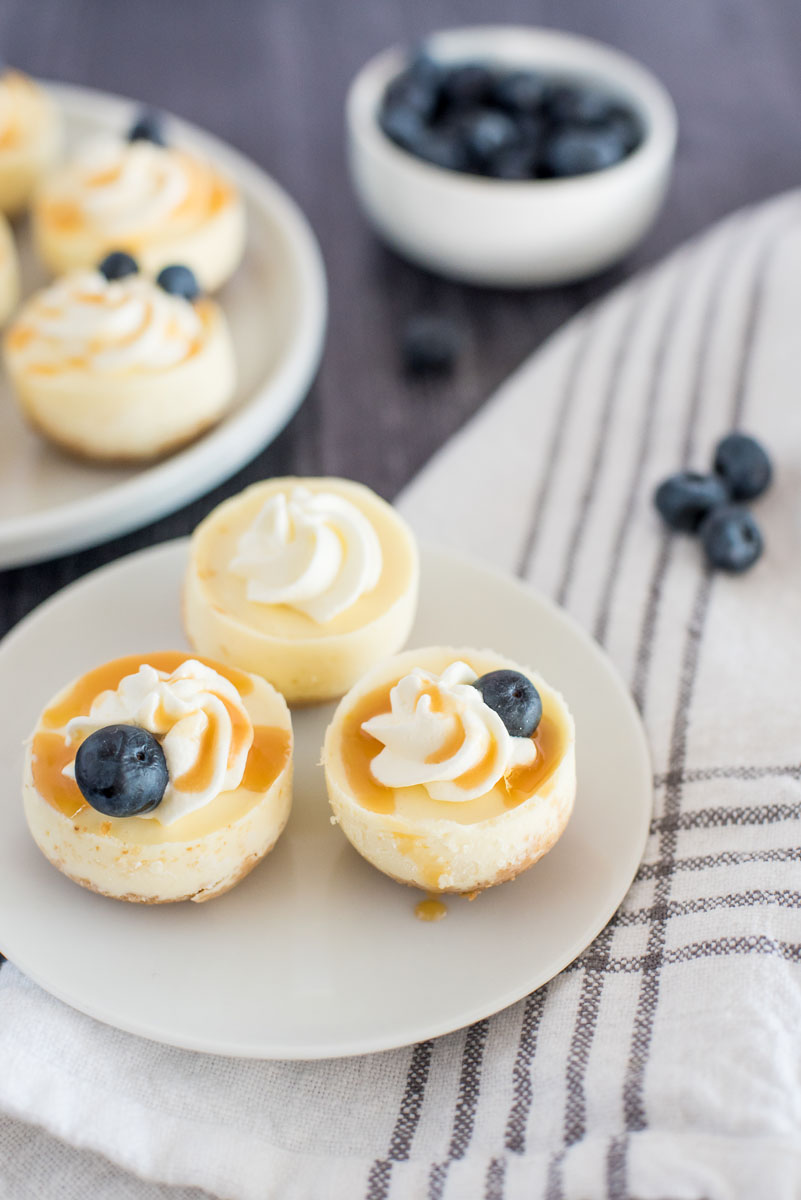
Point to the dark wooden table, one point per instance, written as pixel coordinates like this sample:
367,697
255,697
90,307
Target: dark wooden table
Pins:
270,76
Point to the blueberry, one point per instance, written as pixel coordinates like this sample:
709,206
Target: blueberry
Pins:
514,698
442,149
731,538
118,264
577,104
485,133
416,89
147,128
520,92
430,345
467,85
514,162
121,771
627,126
577,151
744,465
684,499
403,125
179,280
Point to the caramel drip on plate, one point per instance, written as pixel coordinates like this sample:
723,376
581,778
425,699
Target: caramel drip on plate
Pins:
430,909
50,753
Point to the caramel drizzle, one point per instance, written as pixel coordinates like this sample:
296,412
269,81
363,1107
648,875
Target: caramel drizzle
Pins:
360,748
266,759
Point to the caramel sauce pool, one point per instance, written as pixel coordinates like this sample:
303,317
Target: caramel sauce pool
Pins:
50,754
360,748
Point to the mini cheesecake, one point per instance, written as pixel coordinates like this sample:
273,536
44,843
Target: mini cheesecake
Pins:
218,728
308,582
119,369
499,802
9,272
160,203
30,139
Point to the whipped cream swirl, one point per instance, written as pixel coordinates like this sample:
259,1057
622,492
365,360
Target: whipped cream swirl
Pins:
198,716
124,187
313,551
85,320
440,734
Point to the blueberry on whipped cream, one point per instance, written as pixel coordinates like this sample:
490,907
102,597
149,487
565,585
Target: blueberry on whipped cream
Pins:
147,128
178,280
441,735
121,771
514,698
118,264
198,721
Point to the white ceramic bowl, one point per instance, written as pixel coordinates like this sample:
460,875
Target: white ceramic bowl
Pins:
512,233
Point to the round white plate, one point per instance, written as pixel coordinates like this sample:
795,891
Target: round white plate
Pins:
316,954
276,306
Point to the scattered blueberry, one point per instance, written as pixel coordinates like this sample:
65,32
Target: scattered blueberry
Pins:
579,151
118,264
514,698
121,771
744,466
179,280
430,345
731,538
684,499
508,124
147,128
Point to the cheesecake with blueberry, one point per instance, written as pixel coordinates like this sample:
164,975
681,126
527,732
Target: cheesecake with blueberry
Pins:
308,582
115,366
30,138
159,777
161,203
451,769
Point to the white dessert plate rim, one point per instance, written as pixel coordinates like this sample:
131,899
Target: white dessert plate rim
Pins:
579,884
165,486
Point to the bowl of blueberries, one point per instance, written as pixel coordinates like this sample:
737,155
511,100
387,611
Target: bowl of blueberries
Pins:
508,156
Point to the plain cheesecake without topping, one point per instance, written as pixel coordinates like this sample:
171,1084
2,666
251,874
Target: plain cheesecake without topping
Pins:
306,659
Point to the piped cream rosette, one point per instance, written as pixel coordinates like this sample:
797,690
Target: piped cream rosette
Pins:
427,784
9,271
308,582
119,369
227,740
30,138
161,204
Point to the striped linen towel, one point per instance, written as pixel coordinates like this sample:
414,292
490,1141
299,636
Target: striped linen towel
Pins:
666,1061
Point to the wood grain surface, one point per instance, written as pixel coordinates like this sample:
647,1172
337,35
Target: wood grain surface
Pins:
270,76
